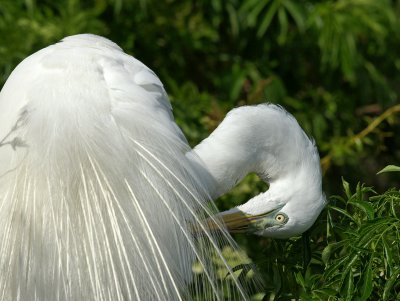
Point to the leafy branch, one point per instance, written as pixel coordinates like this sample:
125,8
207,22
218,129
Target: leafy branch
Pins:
327,159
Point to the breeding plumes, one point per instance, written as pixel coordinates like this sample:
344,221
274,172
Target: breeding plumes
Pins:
101,198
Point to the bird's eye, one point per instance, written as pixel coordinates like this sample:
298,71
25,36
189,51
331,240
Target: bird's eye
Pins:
280,218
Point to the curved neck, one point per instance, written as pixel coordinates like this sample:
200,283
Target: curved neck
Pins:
263,139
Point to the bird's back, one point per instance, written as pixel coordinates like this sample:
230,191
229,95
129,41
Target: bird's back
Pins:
97,198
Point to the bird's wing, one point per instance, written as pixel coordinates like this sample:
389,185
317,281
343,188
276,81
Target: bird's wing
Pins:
84,67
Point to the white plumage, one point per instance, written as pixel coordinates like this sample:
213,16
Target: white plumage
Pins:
101,197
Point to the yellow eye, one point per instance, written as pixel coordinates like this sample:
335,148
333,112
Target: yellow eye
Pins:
280,218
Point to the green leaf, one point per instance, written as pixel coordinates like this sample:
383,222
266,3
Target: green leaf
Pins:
300,279
268,18
390,283
330,249
284,25
296,13
366,207
389,168
344,212
367,283
253,9
346,187
233,18
348,288
328,292
277,279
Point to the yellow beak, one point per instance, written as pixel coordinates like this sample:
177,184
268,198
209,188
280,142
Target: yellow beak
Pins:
239,222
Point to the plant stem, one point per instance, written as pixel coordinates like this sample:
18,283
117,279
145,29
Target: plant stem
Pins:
327,159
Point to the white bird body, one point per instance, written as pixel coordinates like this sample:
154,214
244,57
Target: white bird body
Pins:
100,192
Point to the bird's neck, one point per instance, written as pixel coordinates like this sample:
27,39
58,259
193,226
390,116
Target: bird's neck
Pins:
262,140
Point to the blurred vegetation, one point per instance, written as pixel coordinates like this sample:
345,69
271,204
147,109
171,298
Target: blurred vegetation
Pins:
333,64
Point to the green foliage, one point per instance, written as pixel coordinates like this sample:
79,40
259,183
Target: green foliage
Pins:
355,252
362,255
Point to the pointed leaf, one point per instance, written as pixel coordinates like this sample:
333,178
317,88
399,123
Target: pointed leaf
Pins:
366,281
346,187
344,212
389,168
390,283
366,207
284,25
388,252
295,12
348,287
268,18
300,279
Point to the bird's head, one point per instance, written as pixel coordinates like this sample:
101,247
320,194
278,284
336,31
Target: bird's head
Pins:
279,212
273,218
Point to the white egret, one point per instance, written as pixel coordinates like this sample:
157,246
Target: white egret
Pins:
101,198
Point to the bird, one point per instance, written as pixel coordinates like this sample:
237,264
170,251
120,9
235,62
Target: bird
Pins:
102,198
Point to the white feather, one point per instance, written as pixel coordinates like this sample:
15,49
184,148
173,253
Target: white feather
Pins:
97,200
100,194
